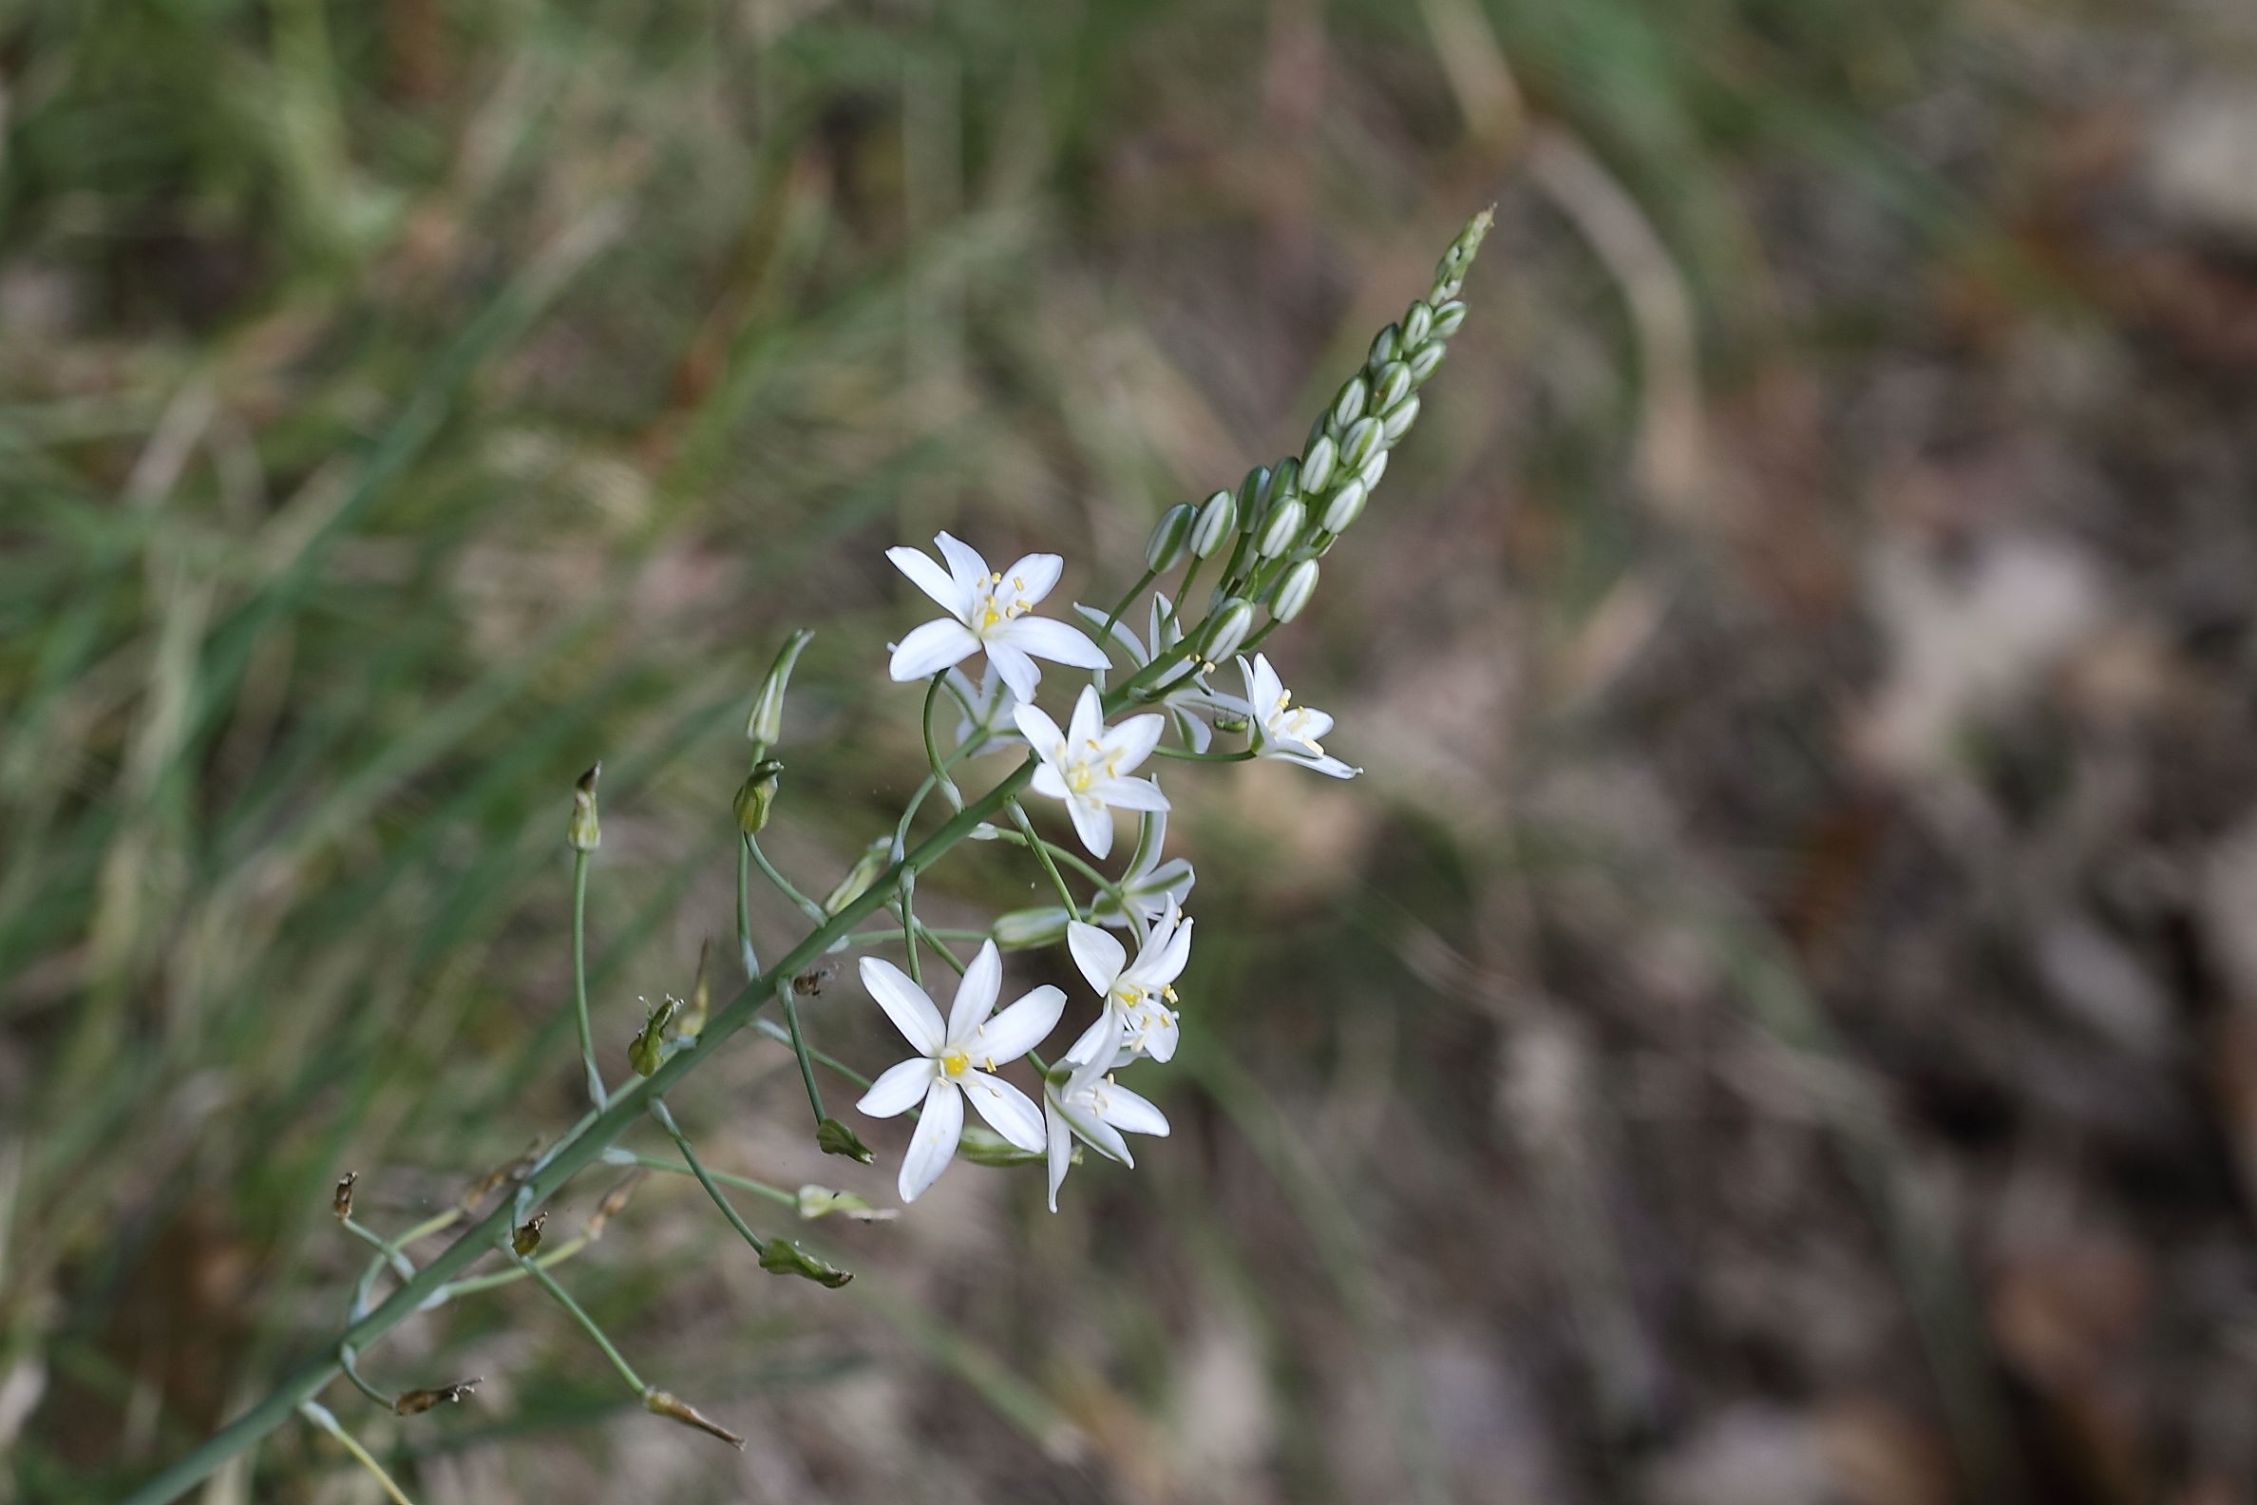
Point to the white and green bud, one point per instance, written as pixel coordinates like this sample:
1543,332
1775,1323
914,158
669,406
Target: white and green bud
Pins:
822,1202
1360,443
1392,385
1448,318
1253,497
1164,551
859,877
1397,420
1217,520
1294,591
1346,506
1449,272
1317,464
1349,405
584,832
1285,478
983,1146
1426,360
1373,469
1386,346
1226,629
1025,929
756,795
765,726
1418,323
1280,529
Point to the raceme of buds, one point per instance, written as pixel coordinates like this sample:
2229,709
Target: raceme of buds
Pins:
756,795
783,1257
1316,465
416,1402
341,1200
859,877
1280,529
1170,536
1294,591
765,726
1346,506
1226,629
1025,929
1218,519
584,832
835,1138
674,1408
527,1238
1449,272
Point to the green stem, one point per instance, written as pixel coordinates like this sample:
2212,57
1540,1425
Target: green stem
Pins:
318,1414
1105,638
588,1323
1041,849
596,1093
908,890
346,1360
932,752
1186,755
659,1111
566,1160
401,1265
750,958
784,995
471,1285
775,1031
784,885
743,1183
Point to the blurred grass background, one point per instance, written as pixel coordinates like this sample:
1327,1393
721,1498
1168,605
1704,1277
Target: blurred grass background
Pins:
1778,1022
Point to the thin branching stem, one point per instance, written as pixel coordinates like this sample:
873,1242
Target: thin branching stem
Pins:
1243,755
745,953
580,1315
348,1361
932,751
786,994
775,1194
318,1414
1112,620
784,885
596,1093
389,1252
659,1111
1041,849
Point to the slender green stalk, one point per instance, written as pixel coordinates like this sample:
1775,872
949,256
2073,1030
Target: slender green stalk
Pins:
785,996
1244,754
932,752
318,1414
471,1285
389,1252
1041,849
775,1031
784,885
932,939
588,1324
347,1360
665,1117
745,953
1112,620
743,1183
580,976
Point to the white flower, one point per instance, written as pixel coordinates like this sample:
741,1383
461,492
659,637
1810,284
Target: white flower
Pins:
1187,698
1083,1100
986,707
955,1059
1088,764
1150,885
987,611
1136,994
1283,729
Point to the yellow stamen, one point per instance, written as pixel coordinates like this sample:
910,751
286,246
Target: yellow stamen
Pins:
954,1064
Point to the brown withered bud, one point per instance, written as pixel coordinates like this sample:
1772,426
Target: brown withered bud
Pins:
613,1204
341,1200
809,984
516,1170
416,1402
661,1403
691,1023
528,1236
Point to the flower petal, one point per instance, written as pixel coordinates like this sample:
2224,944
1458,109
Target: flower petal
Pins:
1130,743
1159,1041
1049,782
1093,823
1092,1054
965,564
1328,765
1019,1028
932,648
1124,1109
934,1143
1034,576
905,1004
1018,671
975,995
1080,1114
1131,794
897,1088
1060,1148
1046,637
1036,726
1163,962
1097,616
1100,956
1087,724
1170,880
1007,1110
933,581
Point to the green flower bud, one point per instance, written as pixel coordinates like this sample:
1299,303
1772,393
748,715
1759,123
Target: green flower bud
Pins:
1024,929
1385,346
1346,506
1418,323
1427,359
1226,629
1399,418
1281,528
1218,519
1253,496
674,1408
1169,537
765,726
1448,318
1390,387
1285,479
584,832
1349,405
1316,465
859,877
822,1202
783,1257
835,1138
1373,469
755,795
647,1051
984,1146
1449,272
1360,443
1320,429
1294,591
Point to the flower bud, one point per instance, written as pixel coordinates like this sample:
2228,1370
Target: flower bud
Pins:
835,1138
1316,465
416,1402
691,1022
1349,405
1280,529
1294,591
1449,272
647,1051
755,795
1418,323
1448,318
780,1256
1285,479
1253,497
1226,629
1399,418
1346,506
1025,929
584,832
1426,360
765,726
1373,469
984,1146
1390,387
859,877
822,1202
1218,519
1169,536
527,1238
1360,443
341,1200
674,1408
1387,345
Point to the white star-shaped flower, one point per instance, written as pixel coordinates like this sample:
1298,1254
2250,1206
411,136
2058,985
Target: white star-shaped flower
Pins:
987,611
986,711
1087,765
1187,699
1136,993
1284,730
956,1059
1081,1099
1150,885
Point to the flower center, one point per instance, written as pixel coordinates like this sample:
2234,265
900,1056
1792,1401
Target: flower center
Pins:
994,608
954,1063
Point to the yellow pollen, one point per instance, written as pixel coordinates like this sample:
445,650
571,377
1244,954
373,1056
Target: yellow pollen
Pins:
1169,994
1080,778
990,614
1018,582
954,1064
